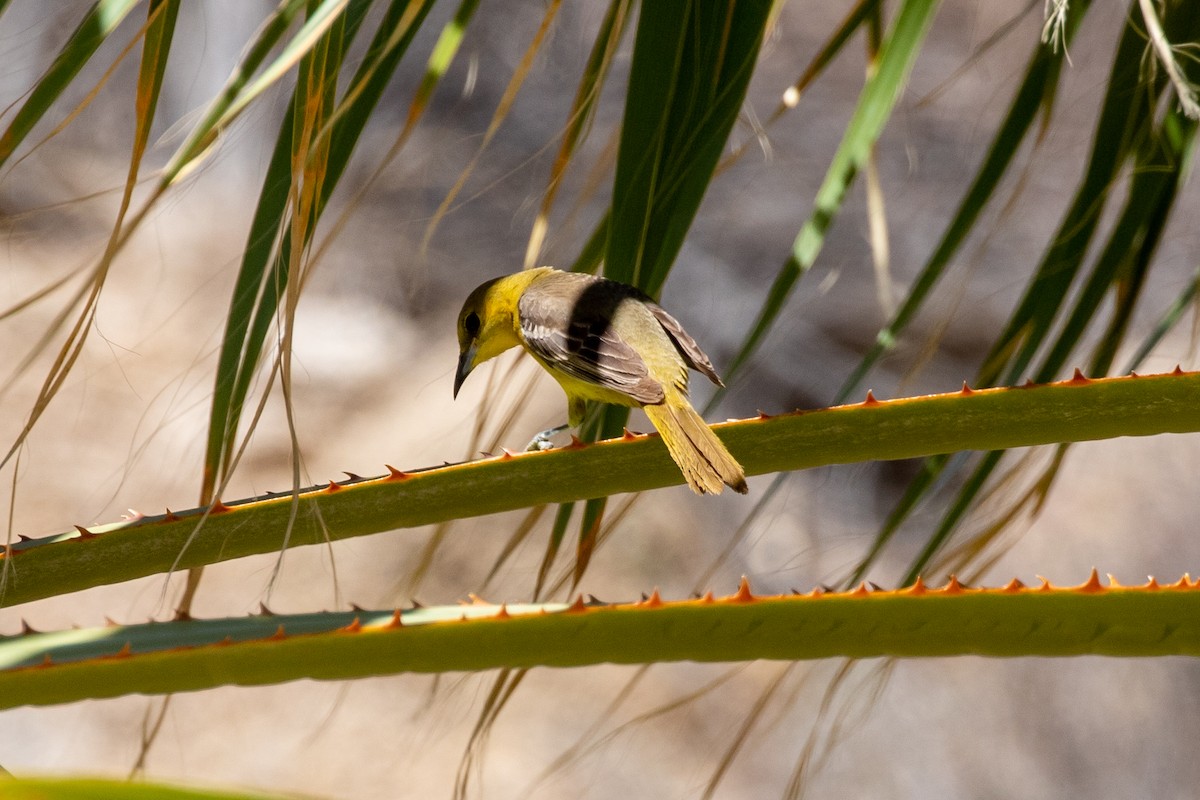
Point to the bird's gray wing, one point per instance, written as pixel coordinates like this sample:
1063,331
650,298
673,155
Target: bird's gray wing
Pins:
568,325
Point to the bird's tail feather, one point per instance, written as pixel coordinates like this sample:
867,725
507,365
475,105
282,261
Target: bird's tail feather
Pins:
701,456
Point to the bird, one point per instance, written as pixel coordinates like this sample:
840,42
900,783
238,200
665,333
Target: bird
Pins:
606,341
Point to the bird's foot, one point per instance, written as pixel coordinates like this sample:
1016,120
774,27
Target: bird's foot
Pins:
543,440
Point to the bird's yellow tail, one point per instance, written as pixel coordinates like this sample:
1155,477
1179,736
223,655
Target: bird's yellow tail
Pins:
701,456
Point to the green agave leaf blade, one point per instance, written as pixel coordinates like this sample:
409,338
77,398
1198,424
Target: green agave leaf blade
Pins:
1075,410
47,668
692,62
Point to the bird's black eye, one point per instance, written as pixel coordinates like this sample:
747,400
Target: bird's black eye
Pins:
471,324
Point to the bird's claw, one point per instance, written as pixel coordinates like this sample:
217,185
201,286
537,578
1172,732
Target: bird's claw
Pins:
539,443
542,441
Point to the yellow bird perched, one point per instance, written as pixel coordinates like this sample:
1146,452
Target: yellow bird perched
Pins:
605,341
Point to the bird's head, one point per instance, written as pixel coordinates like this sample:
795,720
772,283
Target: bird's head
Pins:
486,326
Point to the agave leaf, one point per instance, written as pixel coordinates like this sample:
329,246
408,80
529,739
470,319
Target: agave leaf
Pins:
1075,410
692,62
188,655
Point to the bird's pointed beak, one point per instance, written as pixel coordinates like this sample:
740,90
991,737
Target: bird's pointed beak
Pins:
466,362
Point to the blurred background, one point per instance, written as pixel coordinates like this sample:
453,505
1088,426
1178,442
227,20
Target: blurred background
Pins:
374,360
